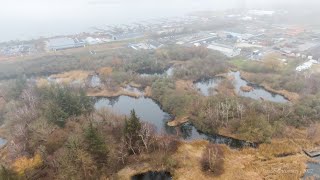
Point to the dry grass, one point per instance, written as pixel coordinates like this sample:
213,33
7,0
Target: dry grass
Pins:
148,91
226,87
279,148
105,71
42,82
188,157
135,85
246,88
313,133
71,76
291,96
108,93
178,121
182,86
244,164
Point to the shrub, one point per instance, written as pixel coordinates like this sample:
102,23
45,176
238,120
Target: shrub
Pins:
96,145
256,128
7,174
60,103
213,160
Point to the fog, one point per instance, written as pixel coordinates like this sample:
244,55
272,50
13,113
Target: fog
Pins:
21,19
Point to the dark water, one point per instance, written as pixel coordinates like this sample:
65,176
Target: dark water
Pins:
152,175
189,133
313,169
149,111
168,72
2,142
206,86
257,93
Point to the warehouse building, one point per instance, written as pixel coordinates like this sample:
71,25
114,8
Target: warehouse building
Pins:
58,44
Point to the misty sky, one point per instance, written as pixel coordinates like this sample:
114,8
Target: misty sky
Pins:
32,18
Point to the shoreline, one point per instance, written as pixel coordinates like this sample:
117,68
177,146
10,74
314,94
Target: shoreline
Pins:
290,96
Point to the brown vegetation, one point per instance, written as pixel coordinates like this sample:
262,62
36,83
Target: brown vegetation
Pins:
110,93
212,160
178,121
246,88
71,76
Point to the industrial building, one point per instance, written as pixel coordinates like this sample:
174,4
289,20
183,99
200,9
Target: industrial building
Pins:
57,44
224,49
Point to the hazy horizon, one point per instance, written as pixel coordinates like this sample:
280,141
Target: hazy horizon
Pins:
34,18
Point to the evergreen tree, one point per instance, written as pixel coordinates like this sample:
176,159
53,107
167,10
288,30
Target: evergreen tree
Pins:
60,103
96,145
131,131
132,125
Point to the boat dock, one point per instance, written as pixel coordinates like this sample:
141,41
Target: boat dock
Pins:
313,153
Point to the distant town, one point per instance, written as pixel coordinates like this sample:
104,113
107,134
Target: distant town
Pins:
249,34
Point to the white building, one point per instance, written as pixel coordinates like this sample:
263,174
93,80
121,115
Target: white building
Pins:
306,65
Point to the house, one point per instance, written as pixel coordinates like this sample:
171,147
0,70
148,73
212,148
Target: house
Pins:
306,65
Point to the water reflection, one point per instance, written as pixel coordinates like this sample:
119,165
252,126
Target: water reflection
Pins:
257,93
169,72
189,132
206,86
313,170
149,111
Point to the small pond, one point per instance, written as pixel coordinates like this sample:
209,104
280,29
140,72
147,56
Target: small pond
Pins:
149,111
153,175
95,81
257,93
189,132
168,72
313,169
206,86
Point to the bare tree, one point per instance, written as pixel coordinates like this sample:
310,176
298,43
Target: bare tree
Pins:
122,152
147,135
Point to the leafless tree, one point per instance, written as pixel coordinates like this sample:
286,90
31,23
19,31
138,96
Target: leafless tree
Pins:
122,152
147,135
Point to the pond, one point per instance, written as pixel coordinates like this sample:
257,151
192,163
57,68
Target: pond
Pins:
313,170
189,133
206,86
149,111
95,81
153,175
3,142
257,93
168,72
